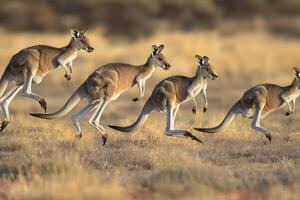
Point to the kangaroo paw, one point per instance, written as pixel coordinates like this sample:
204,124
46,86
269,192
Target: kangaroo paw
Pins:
288,113
4,125
68,77
194,110
135,99
43,104
204,109
269,137
104,139
188,134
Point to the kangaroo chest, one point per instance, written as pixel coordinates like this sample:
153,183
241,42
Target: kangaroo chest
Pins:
293,96
199,87
50,60
196,90
146,73
67,57
149,74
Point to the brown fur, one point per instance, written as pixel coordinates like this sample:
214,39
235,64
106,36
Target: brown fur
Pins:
170,93
32,64
106,84
42,59
259,101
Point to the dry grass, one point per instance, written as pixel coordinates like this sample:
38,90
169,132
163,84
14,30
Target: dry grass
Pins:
42,160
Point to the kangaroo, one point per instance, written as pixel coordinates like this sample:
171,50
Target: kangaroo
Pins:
259,101
32,64
106,84
170,93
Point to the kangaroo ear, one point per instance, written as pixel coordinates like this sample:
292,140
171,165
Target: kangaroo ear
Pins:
83,32
75,33
297,72
199,59
154,50
205,58
160,48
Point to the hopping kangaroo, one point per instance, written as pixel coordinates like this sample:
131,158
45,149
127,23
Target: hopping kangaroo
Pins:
107,83
32,64
259,101
170,93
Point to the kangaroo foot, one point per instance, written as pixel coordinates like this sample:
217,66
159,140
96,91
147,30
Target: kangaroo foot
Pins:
188,134
4,125
43,104
78,136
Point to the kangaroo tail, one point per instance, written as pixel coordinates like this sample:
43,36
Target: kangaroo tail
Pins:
148,107
71,103
227,120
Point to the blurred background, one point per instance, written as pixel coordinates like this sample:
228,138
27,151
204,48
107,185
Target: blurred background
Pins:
248,42
135,19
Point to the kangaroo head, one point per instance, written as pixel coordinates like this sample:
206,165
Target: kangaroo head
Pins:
204,68
297,76
157,58
81,41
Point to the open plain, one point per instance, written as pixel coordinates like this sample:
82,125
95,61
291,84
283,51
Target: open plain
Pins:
41,159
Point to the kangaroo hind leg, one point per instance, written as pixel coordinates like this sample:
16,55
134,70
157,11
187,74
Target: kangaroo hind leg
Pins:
95,119
28,77
260,102
171,131
5,101
5,80
78,116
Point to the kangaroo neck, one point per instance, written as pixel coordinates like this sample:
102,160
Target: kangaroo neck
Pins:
292,87
200,78
68,53
147,69
71,45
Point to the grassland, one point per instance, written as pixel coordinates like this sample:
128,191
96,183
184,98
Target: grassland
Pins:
42,159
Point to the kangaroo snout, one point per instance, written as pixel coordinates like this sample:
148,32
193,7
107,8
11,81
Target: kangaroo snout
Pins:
90,49
215,77
167,66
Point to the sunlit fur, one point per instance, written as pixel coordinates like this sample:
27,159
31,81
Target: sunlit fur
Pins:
170,93
106,84
32,64
259,101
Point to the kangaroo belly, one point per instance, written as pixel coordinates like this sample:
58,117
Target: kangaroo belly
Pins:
159,99
43,70
46,65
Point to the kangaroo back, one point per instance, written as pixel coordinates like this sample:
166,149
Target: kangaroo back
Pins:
71,103
148,107
226,121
